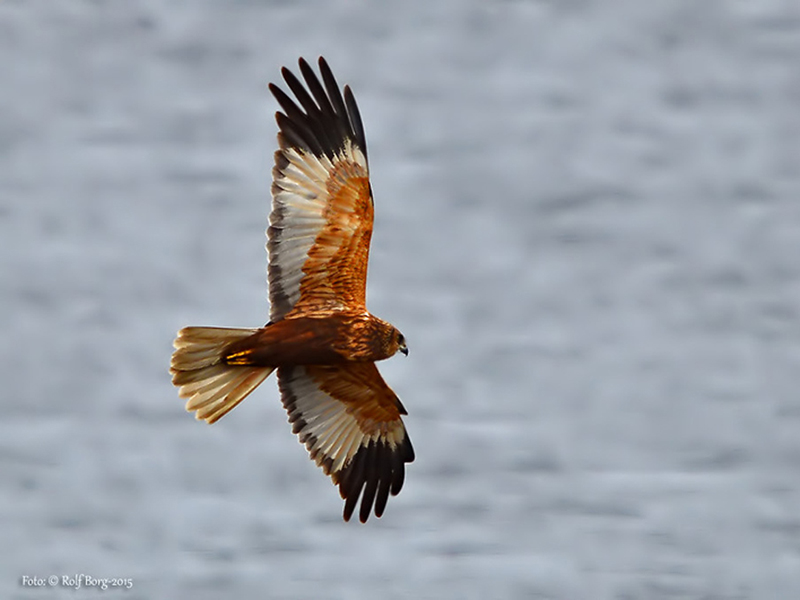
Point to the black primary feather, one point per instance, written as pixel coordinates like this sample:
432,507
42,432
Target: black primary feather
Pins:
319,119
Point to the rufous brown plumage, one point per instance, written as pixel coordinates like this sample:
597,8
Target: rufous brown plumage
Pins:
321,339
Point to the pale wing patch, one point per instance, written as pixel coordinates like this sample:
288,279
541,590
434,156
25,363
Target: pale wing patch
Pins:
323,423
299,214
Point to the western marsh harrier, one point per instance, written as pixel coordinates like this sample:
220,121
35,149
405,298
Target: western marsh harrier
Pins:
320,337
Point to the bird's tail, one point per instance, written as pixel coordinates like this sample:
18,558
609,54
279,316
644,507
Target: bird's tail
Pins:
212,386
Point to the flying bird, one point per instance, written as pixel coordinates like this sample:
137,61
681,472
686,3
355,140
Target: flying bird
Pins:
320,337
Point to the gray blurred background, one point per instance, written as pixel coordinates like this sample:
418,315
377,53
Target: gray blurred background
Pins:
587,226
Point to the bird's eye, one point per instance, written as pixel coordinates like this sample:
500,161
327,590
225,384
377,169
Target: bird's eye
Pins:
400,339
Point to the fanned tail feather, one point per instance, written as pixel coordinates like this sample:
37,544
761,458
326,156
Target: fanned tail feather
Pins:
213,388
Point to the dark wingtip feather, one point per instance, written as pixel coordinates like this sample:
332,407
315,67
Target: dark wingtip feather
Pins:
320,119
376,471
355,120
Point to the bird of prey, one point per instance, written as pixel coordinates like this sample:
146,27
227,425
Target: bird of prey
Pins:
320,337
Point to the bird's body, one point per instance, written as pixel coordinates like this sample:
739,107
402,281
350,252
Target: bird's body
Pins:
316,340
321,339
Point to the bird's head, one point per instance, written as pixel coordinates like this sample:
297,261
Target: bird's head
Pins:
392,341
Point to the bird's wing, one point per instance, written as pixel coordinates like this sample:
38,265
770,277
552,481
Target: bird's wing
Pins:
321,219
349,420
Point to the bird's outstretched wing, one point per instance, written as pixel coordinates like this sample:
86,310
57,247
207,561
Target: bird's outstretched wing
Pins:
321,219
349,420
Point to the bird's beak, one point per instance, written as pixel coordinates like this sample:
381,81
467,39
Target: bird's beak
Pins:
404,350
